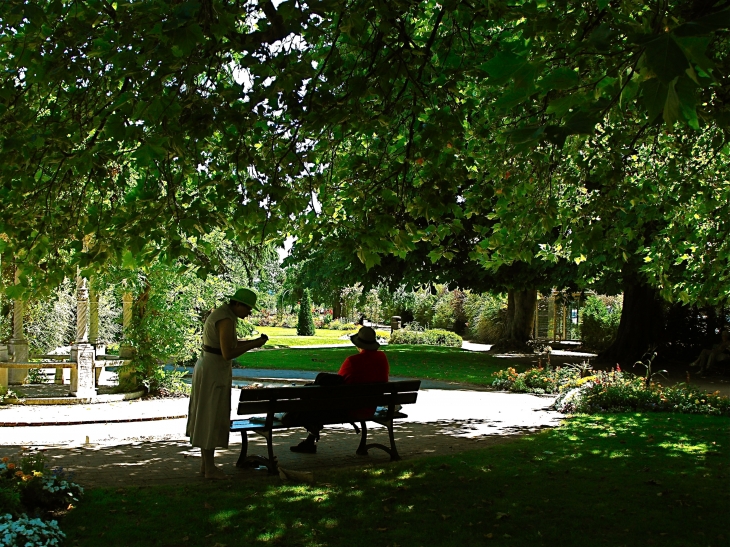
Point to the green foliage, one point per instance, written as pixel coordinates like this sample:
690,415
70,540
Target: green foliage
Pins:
305,322
486,315
431,337
35,376
600,318
336,324
8,395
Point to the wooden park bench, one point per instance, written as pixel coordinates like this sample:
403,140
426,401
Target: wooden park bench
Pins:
387,396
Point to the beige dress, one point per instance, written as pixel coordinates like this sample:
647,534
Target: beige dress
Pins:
209,413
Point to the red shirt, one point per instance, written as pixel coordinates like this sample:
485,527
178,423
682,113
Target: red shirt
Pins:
365,368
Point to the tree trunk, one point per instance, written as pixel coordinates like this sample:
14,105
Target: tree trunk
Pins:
642,322
521,306
336,307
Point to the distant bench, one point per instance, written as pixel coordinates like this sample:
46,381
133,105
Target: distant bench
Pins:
312,398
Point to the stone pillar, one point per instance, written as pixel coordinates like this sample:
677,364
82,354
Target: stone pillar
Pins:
99,347
394,323
18,345
82,377
125,349
3,371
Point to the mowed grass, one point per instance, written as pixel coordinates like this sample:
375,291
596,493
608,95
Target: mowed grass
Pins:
424,362
286,337
611,480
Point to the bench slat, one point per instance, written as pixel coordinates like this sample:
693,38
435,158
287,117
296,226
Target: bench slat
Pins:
323,392
315,405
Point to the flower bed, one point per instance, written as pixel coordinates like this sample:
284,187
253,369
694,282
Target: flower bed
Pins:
29,494
582,390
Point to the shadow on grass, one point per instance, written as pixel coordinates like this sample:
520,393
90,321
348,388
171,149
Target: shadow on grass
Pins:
628,479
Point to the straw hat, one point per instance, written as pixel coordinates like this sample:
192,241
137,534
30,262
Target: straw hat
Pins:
365,339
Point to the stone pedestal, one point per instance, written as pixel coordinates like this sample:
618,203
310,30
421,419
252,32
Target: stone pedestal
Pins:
3,371
82,377
18,350
100,349
395,323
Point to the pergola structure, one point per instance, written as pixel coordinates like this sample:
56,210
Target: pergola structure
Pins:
88,356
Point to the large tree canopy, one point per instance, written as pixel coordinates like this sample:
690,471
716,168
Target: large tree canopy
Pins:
593,132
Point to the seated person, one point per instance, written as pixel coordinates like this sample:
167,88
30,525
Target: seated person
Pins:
368,366
719,352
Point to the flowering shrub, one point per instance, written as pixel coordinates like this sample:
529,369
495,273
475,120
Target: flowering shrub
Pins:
29,532
29,487
581,390
537,380
630,394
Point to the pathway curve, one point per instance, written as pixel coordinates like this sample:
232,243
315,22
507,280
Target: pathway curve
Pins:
443,421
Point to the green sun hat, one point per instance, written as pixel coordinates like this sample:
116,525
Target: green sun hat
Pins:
247,297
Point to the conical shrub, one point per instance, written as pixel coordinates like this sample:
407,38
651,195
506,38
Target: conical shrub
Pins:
305,324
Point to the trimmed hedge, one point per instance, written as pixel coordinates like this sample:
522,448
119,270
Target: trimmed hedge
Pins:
434,337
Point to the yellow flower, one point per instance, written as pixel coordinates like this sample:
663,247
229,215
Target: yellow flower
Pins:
6,459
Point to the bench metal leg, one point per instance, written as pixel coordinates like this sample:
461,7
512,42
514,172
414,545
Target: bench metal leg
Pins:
244,450
392,451
362,450
246,461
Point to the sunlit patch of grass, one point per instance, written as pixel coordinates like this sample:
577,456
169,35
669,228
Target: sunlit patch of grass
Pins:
425,362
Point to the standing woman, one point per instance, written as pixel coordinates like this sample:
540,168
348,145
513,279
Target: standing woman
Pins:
209,413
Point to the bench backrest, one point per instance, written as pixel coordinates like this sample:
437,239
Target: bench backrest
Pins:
289,399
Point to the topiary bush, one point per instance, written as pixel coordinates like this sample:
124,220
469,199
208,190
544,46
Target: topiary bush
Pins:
600,318
433,337
305,323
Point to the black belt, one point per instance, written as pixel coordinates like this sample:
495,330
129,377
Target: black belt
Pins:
210,349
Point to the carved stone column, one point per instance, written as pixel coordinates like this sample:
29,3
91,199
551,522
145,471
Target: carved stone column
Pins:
125,349
99,347
18,346
3,371
82,377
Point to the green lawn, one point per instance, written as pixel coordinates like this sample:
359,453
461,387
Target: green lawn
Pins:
612,480
425,362
285,337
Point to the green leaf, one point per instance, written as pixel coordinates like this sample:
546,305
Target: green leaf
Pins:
654,97
128,261
503,66
665,58
671,106
705,25
694,48
561,106
561,78
685,88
